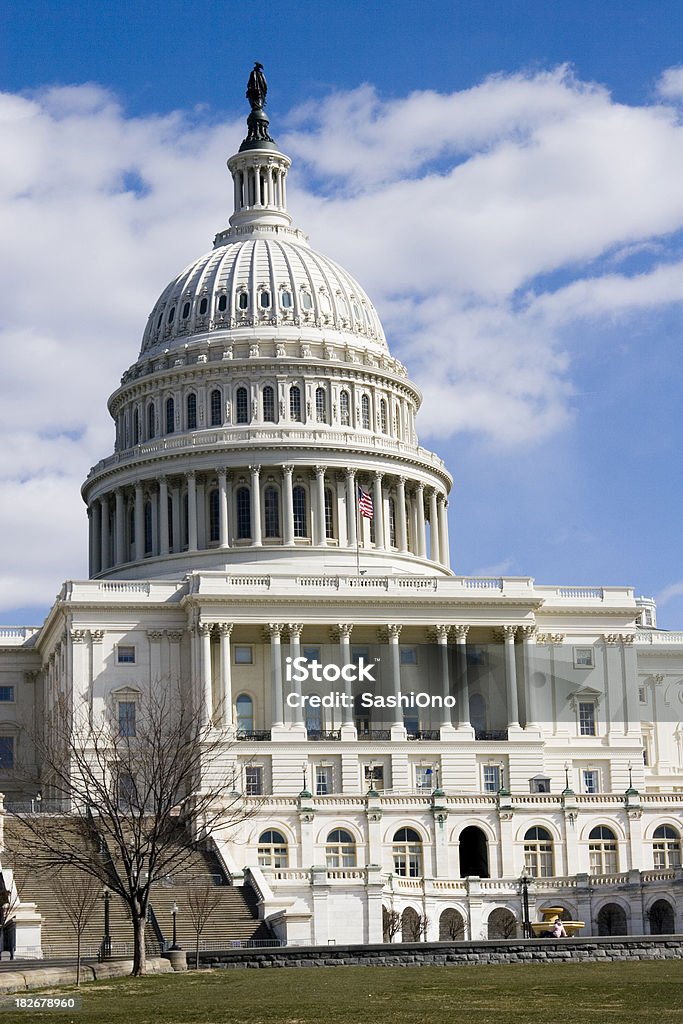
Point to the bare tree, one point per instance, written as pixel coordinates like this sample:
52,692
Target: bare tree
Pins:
202,900
78,894
9,902
391,923
133,788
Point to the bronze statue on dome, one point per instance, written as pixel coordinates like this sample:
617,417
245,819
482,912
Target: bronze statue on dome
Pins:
257,87
258,136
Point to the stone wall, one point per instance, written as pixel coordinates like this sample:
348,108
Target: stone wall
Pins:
507,951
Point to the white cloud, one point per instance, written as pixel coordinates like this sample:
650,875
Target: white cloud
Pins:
670,84
669,593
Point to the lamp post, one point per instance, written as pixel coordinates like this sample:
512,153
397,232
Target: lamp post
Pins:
106,939
524,880
174,914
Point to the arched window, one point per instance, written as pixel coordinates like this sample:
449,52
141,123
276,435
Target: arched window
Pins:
602,848
151,421
407,853
345,409
222,303
214,516
191,411
136,427
329,514
216,408
320,405
392,523
203,306
286,299
666,847
186,310
244,714
451,926
300,516
502,924
295,403
271,509
383,422
170,415
365,412
340,849
171,314
148,527
268,404
314,721
272,850
538,852
306,300
243,300
612,920
242,405
264,300
243,506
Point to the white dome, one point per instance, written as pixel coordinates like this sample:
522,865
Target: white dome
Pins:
255,282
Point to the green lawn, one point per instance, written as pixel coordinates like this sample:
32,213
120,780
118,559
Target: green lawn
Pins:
619,993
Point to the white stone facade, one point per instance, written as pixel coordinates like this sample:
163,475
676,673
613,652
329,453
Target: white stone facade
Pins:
224,539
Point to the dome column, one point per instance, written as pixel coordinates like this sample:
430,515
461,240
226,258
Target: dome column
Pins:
175,517
163,515
95,519
223,520
287,505
191,511
104,533
443,531
320,532
379,511
256,536
420,520
401,514
434,553
120,514
351,505
139,522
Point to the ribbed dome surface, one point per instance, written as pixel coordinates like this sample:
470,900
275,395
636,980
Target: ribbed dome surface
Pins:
256,282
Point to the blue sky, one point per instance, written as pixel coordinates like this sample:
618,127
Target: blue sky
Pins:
503,177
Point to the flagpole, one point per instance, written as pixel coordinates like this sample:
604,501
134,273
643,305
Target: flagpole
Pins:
358,529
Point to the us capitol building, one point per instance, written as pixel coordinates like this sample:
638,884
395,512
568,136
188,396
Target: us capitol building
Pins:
225,538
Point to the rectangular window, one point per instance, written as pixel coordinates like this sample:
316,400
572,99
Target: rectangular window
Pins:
244,655
424,777
6,753
409,655
323,780
125,655
253,780
583,657
591,780
587,718
126,718
491,778
6,693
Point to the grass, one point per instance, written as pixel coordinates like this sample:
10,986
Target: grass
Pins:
580,993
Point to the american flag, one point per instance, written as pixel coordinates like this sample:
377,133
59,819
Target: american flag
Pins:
365,503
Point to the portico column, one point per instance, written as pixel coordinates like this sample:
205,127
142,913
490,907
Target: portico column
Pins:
508,635
433,527
379,511
295,629
345,645
120,516
206,698
222,509
463,708
275,631
288,505
225,630
163,516
256,536
139,523
104,532
191,511
351,505
444,547
401,514
394,632
420,520
321,537
442,645
528,651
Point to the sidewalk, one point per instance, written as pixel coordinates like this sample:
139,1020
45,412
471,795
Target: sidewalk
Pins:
20,975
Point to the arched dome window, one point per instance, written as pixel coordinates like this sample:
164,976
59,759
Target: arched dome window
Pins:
325,304
203,306
151,421
244,714
329,514
538,852
268,404
191,404
264,300
306,300
216,408
295,403
243,511
148,527
160,318
271,509
170,415
136,426
365,412
286,299
320,405
171,314
340,849
300,511
407,853
666,847
222,304
243,301
392,523
602,849
242,406
186,310
272,850
383,422
345,409
214,517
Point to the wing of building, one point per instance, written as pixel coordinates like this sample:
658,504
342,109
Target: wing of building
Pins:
268,518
